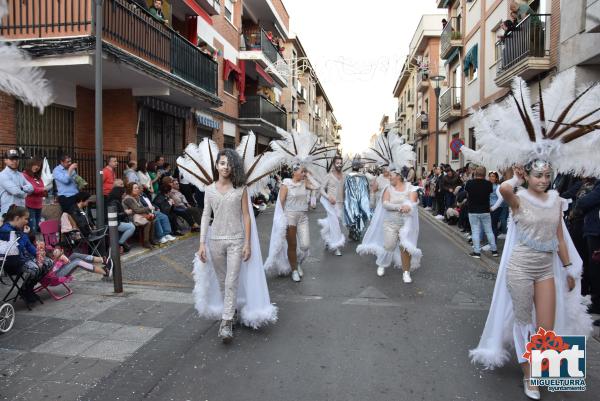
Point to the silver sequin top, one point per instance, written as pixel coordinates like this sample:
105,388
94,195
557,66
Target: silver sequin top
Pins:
297,196
227,208
537,221
397,199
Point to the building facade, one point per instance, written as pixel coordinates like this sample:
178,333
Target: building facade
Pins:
207,68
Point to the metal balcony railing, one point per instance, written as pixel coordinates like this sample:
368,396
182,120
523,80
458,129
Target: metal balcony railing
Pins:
422,124
450,100
126,26
257,107
527,39
451,32
257,39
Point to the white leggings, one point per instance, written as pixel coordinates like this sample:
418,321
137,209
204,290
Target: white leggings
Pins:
227,260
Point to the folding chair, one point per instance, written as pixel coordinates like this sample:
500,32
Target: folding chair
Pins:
75,240
10,249
50,230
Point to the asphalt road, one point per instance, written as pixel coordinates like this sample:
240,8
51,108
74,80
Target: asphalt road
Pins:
343,334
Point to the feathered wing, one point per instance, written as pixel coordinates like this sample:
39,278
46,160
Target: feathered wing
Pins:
198,161
380,151
402,154
247,150
17,79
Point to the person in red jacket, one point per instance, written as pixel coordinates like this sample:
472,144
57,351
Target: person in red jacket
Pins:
108,175
35,200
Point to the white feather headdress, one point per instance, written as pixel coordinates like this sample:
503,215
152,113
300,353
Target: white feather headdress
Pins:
390,151
17,78
562,129
304,148
198,163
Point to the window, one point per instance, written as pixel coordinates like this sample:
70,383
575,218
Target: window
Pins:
472,140
229,10
472,74
455,156
425,154
229,84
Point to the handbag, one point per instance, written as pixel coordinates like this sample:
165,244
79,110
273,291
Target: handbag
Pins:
140,220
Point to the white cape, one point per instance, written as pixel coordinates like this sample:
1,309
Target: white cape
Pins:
277,262
499,335
253,301
331,232
372,243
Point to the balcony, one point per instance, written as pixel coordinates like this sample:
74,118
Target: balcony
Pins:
128,30
212,7
301,93
451,38
423,81
422,125
259,48
450,105
262,116
525,51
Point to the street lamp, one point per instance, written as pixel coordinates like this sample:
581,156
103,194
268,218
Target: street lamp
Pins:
99,136
437,79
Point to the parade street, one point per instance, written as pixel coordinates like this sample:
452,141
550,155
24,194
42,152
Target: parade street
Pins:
343,334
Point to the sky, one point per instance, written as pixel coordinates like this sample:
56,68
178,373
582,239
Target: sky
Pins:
357,49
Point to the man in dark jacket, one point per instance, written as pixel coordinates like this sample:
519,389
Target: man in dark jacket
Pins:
590,205
79,214
449,183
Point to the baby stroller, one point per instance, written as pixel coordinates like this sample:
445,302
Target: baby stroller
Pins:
7,311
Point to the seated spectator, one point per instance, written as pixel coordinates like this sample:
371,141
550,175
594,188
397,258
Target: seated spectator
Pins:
181,207
16,219
144,212
165,204
144,179
79,214
130,173
65,266
126,227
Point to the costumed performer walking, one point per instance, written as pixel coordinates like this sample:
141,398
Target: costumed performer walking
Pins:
228,269
539,277
332,199
357,208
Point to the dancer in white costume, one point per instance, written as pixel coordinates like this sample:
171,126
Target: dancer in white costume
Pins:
394,229
539,277
290,239
228,270
332,199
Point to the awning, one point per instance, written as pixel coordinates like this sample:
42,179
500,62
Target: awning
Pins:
228,67
471,59
264,74
452,57
198,10
203,119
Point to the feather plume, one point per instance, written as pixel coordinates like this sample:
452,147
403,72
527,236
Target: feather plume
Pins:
257,168
197,162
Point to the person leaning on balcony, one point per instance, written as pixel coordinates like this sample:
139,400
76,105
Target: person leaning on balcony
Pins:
66,186
156,11
13,185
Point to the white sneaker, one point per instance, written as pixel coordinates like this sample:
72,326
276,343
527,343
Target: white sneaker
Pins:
406,277
169,237
163,240
380,271
300,271
439,217
295,276
531,394
338,252
502,236
428,208
486,248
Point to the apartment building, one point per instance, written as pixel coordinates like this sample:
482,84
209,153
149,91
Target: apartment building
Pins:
415,92
310,108
481,58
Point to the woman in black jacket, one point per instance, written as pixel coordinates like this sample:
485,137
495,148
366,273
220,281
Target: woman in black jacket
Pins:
126,227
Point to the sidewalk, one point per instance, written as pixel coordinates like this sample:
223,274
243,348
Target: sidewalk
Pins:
491,263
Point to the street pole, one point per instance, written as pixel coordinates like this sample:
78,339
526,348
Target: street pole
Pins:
437,124
113,234
98,118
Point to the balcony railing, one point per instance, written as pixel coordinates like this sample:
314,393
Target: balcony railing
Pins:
527,39
257,107
258,40
126,26
422,124
451,36
450,104
422,80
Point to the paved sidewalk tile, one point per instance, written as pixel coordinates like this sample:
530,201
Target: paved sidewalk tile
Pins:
114,350
143,313
76,307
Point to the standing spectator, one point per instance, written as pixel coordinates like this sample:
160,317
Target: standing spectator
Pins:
130,173
66,186
126,227
182,208
156,11
35,200
590,205
495,213
144,179
478,200
108,176
155,177
438,196
449,182
13,185
161,166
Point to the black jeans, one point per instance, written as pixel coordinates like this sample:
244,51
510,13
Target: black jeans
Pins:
593,243
67,203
